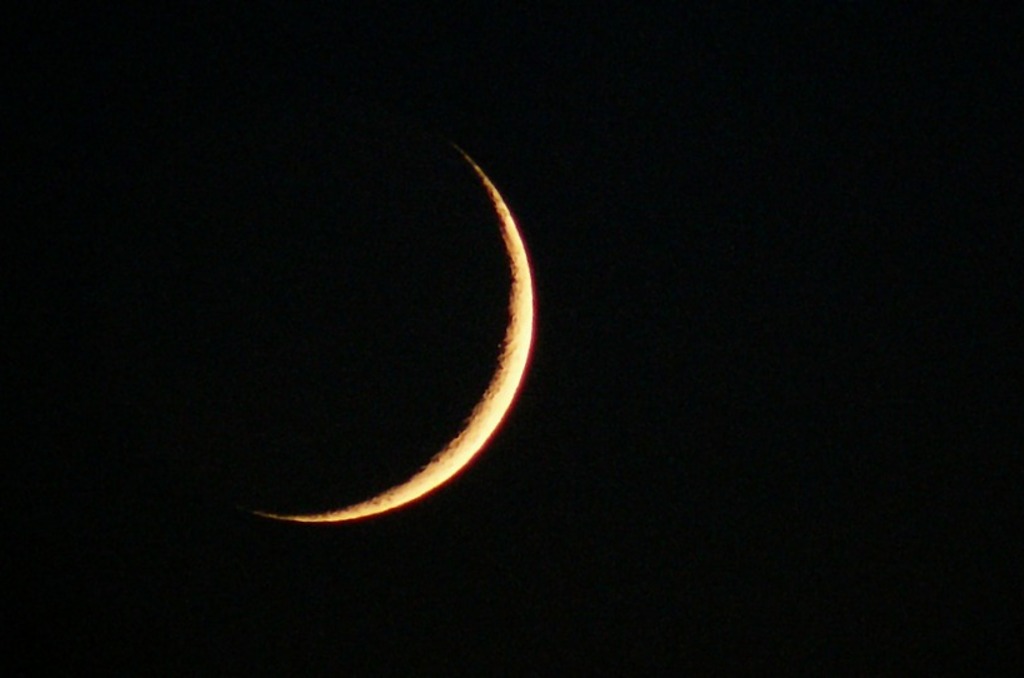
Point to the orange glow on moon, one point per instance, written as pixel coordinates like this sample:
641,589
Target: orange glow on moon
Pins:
492,408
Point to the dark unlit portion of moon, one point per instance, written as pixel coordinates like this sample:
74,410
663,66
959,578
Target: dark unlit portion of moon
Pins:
306,309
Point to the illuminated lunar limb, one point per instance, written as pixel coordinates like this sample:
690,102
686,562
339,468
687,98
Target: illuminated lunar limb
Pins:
492,407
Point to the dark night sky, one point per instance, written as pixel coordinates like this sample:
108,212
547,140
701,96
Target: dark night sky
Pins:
768,421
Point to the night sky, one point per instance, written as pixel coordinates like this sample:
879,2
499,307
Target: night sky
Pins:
769,419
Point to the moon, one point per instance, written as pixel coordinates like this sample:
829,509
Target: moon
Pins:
492,407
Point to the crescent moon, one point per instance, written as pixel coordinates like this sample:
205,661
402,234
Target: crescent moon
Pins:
492,407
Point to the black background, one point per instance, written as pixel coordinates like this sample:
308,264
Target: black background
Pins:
768,421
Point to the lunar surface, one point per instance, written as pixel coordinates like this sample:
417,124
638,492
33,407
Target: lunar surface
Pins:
492,407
